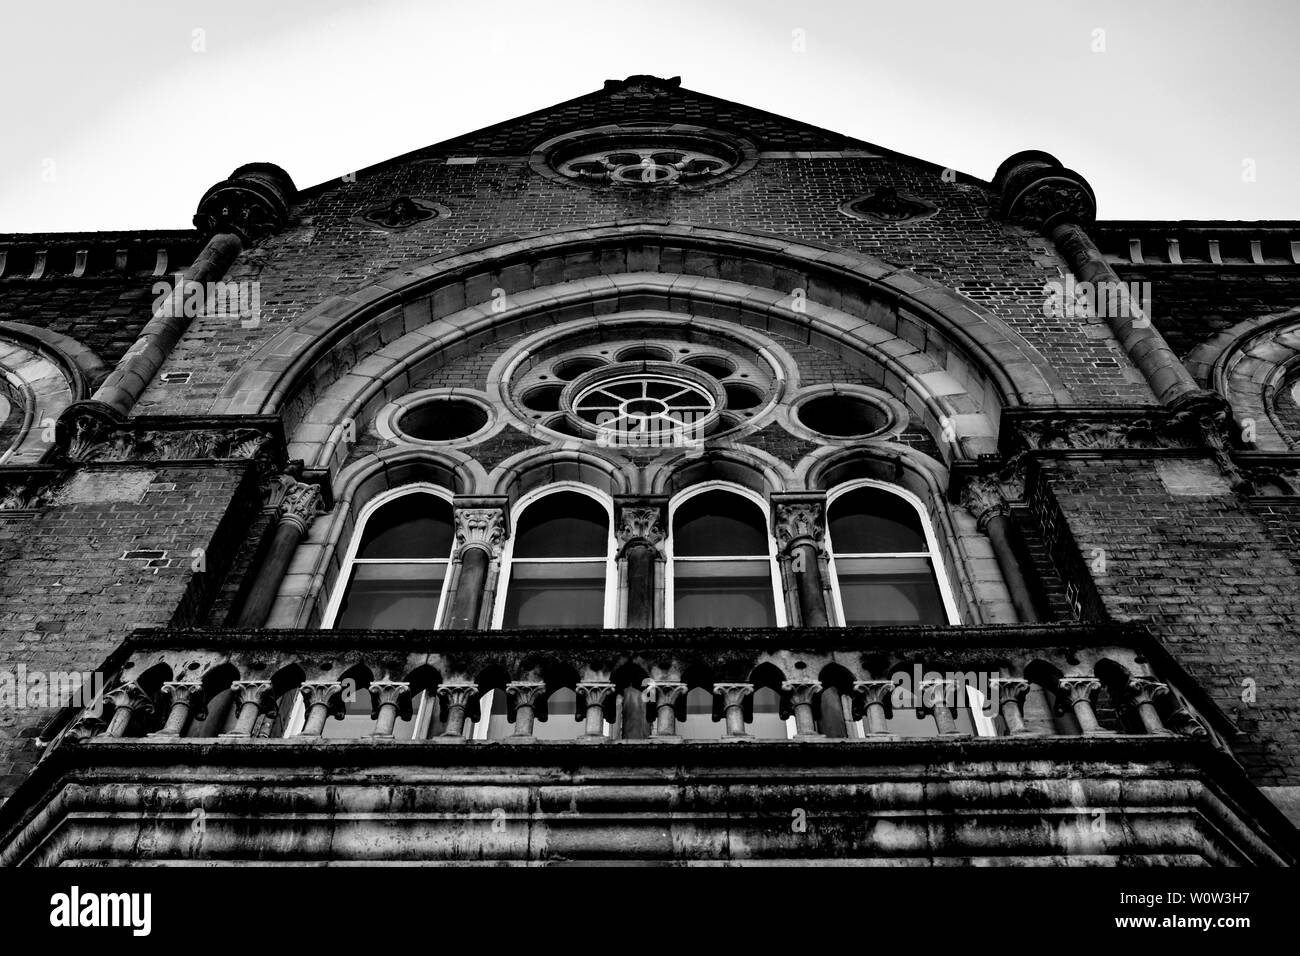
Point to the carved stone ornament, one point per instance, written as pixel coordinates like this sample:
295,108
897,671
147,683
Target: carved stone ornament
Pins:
300,505
400,213
26,495
480,528
640,522
983,498
1083,434
90,439
887,205
799,522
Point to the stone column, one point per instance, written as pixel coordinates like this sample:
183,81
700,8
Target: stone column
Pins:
238,212
733,708
1142,694
802,694
299,504
934,697
872,702
389,699
523,696
666,696
186,698
250,697
592,699
984,499
799,526
322,699
459,695
480,534
1011,693
1081,692
639,526
128,700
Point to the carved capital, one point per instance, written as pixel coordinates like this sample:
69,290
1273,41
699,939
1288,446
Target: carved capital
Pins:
1142,690
734,694
323,692
253,692
300,505
798,521
872,693
801,692
130,696
478,527
396,693
640,521
458,694
593,693
189,694
1080,689
524,693
1014,689
662,693
984,499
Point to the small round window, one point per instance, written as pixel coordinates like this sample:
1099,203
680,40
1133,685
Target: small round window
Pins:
437,417
843,416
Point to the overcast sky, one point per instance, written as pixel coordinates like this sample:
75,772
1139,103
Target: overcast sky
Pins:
118,115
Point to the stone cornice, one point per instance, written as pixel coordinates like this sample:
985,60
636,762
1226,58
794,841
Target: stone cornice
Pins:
1213,245
96,255
88,437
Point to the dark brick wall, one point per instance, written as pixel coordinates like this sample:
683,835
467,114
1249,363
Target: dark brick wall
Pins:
67,596
1214,577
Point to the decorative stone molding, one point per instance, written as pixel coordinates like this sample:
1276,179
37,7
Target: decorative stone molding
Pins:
1038,192
984,499
480,523
402,212
252,204
641,521
798,519
886,205
86,436
25,492
300,505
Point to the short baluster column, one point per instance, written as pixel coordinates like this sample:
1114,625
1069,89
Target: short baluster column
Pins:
321,698
128,700
665,696
936,697
802,696
872,704
592,697
187,700
1142,694
733,709
1081,692
389,699
249,698
1010,695
524,696
459,695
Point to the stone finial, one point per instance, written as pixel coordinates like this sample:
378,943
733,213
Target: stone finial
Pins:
1038,192
252,204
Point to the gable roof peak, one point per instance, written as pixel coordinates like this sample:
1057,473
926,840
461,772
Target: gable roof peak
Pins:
644,85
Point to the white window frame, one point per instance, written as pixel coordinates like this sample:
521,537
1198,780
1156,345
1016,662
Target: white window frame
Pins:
931,542
778,594
508,552
358,531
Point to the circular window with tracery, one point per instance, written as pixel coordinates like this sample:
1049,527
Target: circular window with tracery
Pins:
644,155
650,401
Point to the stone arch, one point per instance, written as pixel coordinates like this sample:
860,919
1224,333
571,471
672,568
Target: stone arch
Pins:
751,468
1249,365
950,360
522,472
41,374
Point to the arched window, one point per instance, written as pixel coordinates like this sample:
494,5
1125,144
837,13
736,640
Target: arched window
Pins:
395,575
883,557
721,572
559,562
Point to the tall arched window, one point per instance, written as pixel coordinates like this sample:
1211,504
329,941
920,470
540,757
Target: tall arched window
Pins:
883,556
559,562
395,574
722,572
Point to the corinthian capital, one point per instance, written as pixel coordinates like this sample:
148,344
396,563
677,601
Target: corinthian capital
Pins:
300,505
798,520
480,524
983,498
640,521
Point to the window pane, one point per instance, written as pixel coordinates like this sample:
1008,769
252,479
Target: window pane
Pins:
874,520
412,526
563,525
400,596
889,591
561,722
767,722
571,594
699,723
723,594
356,720
719,522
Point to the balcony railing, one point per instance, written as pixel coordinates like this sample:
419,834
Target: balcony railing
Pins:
828,684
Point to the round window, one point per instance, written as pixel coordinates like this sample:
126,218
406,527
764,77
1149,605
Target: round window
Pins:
642,405
843,416
442,419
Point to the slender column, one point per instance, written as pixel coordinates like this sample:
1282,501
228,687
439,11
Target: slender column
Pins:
592,697
831,704
983,498
186,697
872,700
733,708
665,696
802,694
322,698
935,695
799,526
251,697
639,527
299,505
523,697
128,700
459,695
389,699
1011,693
1142,694
1081,692
480,533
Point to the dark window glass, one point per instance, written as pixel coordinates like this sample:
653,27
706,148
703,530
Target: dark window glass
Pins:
563,525
401,596
872,521
717,523
411,526
889,591
722,593
568,594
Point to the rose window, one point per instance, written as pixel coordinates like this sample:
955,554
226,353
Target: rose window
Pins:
644,155
643,166
645,405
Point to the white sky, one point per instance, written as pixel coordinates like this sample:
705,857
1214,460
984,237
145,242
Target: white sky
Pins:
114,121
